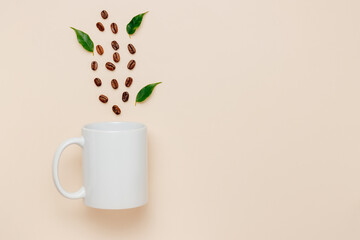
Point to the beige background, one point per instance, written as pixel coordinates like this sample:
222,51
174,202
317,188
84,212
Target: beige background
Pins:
254,133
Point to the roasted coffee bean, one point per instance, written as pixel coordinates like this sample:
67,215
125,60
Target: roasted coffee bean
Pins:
116,57
104,14
131,48
114,28
100,26
94,65
114,84
97,82
115,45
99,49
103,98
110,66
131,64
116,109
125,96
128,81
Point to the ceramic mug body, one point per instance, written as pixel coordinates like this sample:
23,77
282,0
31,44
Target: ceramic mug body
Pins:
114,165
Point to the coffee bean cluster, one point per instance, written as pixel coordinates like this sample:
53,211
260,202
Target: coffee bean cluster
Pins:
111,65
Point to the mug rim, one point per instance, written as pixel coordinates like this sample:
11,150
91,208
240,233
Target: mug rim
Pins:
101,126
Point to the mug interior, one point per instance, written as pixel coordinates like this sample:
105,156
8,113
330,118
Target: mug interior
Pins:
114,126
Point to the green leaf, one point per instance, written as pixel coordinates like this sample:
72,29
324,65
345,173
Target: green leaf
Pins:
135,23
145,92
84,40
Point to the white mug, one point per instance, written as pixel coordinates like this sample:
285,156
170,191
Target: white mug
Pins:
114,165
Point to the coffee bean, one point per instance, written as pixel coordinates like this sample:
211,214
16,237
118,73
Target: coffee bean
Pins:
116,57
114,84
114,28
103,98
110,66
131,48
115,45
100,26
131,64
97,82
116,109
128,81
99,49
125,96
94,65
104,14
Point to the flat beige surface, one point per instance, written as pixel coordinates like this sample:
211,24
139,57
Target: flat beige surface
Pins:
254,133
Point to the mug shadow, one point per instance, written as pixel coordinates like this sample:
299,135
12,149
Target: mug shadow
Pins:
124,219
118,220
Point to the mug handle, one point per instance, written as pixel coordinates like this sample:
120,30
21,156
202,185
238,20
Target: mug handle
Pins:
81,192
